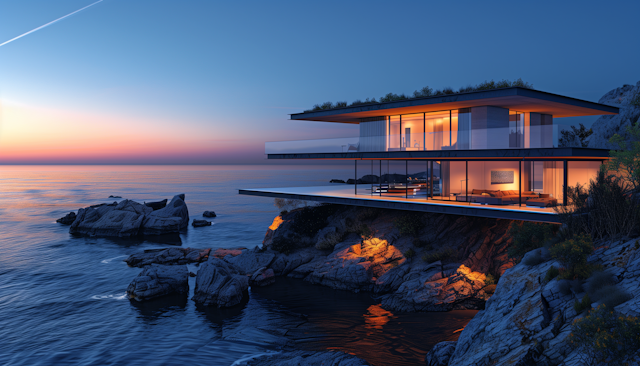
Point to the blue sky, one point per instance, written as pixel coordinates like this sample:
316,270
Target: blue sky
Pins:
141,81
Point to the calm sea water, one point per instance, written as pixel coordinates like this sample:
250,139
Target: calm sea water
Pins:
62,297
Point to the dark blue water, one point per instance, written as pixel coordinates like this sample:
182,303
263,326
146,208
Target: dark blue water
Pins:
62,297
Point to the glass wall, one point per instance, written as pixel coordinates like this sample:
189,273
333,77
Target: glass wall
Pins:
418,179
412,131
394,133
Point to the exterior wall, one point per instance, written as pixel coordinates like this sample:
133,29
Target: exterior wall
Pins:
483,121
372,135
541,131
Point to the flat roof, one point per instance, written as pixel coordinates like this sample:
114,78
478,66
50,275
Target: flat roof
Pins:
344,195
551,153
514,98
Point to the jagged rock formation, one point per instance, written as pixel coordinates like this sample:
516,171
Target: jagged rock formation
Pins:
158,280
607,126
68,219
219,283
528,321
440,354
310,358
168,256
129,218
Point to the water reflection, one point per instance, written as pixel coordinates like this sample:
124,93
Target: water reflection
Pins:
376,317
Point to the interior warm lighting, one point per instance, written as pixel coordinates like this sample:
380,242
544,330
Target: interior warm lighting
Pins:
276,223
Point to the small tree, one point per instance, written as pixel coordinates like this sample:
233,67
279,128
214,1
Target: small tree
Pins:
626,158
528,236
573,255
606,337
581,134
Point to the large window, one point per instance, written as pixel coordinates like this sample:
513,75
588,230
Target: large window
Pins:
412,132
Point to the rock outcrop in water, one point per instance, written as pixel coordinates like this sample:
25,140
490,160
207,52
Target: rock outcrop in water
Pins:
605,127
178,256
528,320
219,283
129,218
68,219
158,280
310,358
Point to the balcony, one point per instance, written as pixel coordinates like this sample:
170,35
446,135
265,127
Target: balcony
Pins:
479,139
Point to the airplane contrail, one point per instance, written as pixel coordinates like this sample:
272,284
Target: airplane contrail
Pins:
48,24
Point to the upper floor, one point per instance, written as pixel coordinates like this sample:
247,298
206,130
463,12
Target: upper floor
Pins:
508,118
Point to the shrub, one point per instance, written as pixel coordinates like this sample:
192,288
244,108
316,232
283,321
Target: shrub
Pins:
440,255
328,239
528,236
598,280
605,209
552,273
423,243
290,204
575,135
576,285
535,258
310,220
491,280
564,287
582,305
283,212
606,337
365,232
573,255
283,245
367,213
409,224
410,253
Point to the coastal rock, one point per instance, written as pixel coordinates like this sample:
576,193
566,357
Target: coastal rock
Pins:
219,283
157,205
607,126
200,223
433,292
171,219
250,261
440,354
158,280
209,214
308,358
337,181
68,219
284,264
115,196
262,277
123,220
168,256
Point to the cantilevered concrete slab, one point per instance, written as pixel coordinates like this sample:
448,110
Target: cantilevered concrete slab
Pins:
345,195
513,98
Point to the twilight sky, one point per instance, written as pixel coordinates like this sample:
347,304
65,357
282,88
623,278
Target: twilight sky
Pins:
208,82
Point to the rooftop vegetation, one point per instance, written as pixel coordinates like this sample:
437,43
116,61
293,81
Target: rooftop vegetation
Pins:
425,92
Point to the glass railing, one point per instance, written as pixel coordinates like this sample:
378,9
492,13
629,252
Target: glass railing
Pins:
479,139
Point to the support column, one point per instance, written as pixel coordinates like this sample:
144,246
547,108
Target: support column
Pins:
564,182
406,179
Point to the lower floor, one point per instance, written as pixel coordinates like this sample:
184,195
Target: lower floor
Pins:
345,195
511,189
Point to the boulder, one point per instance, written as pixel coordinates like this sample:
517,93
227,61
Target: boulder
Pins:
262,277
440,354
308,358
168,256
219,283
158,280
157,205
200,223
171,219
68,219
122,220
250,261
209,214
607,126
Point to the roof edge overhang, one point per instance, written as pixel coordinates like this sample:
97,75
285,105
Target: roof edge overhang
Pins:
518,98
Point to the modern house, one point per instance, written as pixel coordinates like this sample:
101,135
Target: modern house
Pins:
493,153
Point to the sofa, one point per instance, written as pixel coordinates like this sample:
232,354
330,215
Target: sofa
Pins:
497,197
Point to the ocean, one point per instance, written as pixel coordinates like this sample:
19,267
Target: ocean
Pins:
62,297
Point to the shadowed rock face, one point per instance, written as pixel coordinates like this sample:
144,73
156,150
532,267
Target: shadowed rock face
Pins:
440,354
158,280
68,219
219,283
311,358
168,256
129,218
607,126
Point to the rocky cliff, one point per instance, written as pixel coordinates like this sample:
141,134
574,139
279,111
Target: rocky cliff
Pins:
528,320
607,126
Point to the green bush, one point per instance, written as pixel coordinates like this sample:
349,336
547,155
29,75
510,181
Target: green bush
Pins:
410,253
528,236
582,305
310,220
409,224
606,337
365,232
423,243
552,273
598,280
573,255
564,287
440,255
491,280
